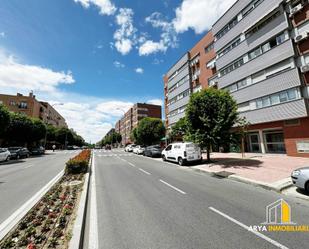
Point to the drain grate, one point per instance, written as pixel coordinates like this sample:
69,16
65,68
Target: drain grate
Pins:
222,174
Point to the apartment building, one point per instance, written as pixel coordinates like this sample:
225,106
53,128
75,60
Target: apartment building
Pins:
262,59
31,107
133,116
189,74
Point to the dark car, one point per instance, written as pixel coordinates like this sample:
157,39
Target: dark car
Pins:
153,151
108,147
37,150
19,152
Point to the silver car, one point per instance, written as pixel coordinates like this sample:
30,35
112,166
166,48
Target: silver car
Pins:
300,178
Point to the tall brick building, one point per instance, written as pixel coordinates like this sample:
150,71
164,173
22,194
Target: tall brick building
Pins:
131,118
189,74
262,59
31,107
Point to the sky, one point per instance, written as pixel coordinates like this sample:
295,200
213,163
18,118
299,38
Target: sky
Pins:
93,59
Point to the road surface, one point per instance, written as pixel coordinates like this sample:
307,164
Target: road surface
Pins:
141,203
20,180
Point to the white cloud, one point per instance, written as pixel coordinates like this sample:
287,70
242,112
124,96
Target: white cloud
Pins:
168,37
114,108
199,15
118,64
151,47
157,61
2,34
106,7
155,102
15,75
125,35
139,70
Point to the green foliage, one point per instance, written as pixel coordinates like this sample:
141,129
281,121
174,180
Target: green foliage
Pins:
113,138
38,130
133,136
19,129
210,115
4,118
179,130
149,131
76,167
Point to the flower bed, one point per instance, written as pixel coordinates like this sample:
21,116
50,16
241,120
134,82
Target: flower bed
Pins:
79,164
48,224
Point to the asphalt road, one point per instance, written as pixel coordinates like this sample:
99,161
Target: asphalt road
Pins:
22,179
140,203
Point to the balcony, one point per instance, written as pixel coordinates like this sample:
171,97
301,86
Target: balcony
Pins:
277,83
271,57
290,110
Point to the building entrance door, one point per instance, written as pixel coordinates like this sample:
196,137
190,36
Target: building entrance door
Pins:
254,143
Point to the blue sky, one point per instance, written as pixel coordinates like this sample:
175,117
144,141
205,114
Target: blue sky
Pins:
97,57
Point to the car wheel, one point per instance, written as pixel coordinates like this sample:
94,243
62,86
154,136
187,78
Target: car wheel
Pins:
163,158
307,187
18,157
7,159
180,161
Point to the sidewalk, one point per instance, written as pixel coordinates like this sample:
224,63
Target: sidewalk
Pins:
270,171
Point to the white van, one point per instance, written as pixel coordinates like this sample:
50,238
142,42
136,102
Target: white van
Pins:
182,153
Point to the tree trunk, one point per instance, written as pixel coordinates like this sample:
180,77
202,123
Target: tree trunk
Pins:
242,147
208,153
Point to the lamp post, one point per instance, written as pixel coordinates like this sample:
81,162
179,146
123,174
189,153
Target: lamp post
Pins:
45,140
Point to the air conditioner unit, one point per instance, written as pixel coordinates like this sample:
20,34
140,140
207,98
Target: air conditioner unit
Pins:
304,69
301,36
296,9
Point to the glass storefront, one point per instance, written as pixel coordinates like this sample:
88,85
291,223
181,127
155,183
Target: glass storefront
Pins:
274,142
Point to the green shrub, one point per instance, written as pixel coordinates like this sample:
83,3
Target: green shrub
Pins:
76,166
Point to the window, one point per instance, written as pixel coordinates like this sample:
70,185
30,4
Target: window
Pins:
302,146
226,29
255,53
277,98
244,107
232,67
262,24
12,103
23,105
229,47
209,47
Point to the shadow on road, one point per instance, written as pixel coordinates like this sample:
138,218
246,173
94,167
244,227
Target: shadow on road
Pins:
302,191
11,162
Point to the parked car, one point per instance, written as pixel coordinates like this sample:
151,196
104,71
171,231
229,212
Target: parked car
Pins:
37,150
4,155
182,153
153,151
139,150
129,148
19,152
108,147
300,178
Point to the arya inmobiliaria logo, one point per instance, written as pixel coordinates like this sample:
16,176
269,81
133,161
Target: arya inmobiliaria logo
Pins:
279,219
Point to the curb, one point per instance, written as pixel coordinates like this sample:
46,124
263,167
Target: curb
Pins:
76,242
13,220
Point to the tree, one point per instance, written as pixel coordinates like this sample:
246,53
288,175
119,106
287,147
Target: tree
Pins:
150,131
133,135
210,115
4,119
38,130
19,129
179,129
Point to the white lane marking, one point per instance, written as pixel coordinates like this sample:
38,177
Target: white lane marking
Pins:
147,173
171,186
131,164
93,224
10,222
262,236
27,167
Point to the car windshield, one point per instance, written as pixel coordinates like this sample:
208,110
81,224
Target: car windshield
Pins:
14,148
